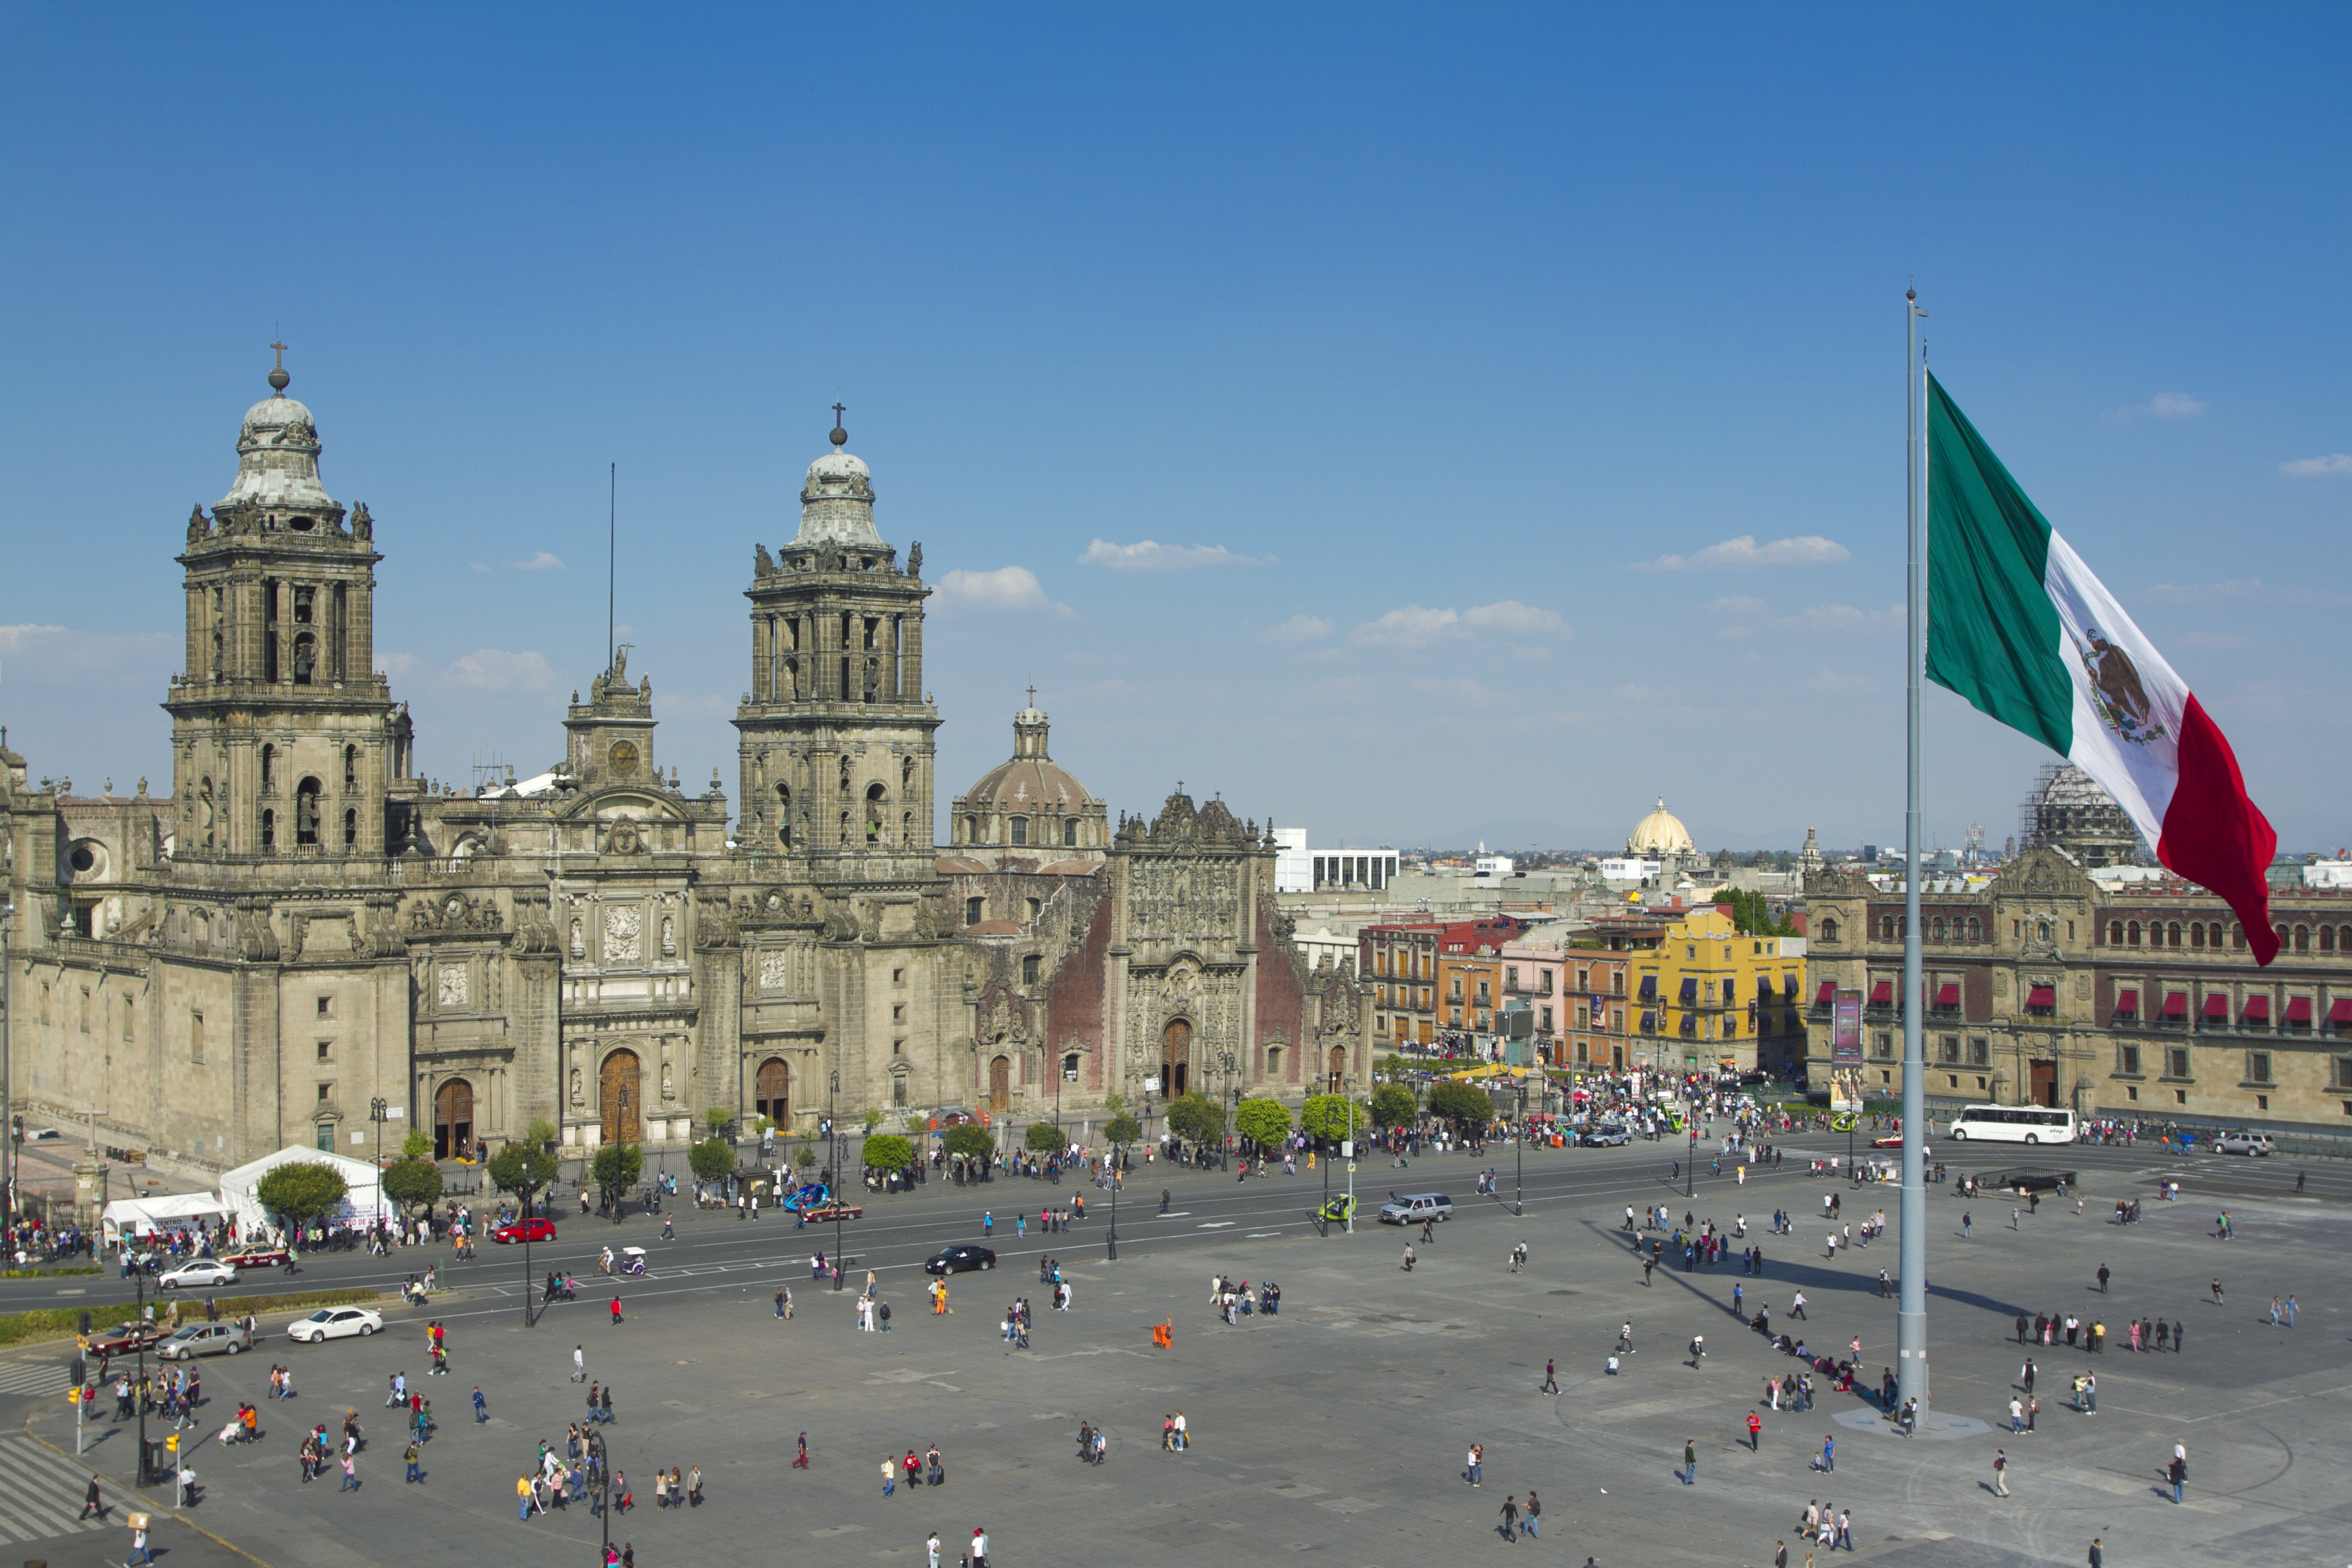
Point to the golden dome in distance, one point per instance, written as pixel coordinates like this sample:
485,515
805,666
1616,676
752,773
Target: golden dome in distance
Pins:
1661,832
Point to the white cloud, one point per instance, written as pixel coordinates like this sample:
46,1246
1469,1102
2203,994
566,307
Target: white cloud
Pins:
2164,405
496,670
1300,628
540,561
1412,627
1518,620
1151,555
395,665
1014,588
40,655
478,566
1838,680
2318,467
1744,554
1524,651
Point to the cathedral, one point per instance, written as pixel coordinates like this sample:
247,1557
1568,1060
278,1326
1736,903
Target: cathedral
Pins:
299,941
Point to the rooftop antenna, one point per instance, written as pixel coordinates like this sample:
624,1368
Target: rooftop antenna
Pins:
612,551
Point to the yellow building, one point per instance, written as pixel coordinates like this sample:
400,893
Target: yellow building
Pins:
1711,1000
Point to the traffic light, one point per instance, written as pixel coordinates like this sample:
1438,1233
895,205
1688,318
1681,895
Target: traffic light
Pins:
85,1322
16,1128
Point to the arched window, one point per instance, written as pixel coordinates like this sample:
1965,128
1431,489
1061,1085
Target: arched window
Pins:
1886,928
268,769
269,830
2172,934
2237,936
2284,935
907,827
2131,934
974,911
1828,930
1976,929
972,830
2196,935
350,767
784,815
876,798
2344,940
1936,930
2214,934
2302,938
1020,830
2327,939
306,813
350,827
2114,933
306,658
2044,932
1069,833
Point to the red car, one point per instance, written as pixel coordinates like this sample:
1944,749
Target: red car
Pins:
123,1339
526,1230
257,1257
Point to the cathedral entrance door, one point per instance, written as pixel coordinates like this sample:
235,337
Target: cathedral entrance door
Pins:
1000,1085
453,1120
1176,1059
618,1081
2044,1078
1339,1069
772,1091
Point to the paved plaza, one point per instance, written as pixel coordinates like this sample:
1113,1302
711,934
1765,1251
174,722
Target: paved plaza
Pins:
1340,1426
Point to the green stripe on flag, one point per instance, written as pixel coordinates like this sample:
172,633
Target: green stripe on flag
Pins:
1993,635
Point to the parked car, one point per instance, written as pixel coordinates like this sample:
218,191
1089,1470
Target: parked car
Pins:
955,1259
1339,1210
123,1339
206,1338
532,1229
334,1323
1608,1135
2246,1143
256,1257
1414,1208
203,1271
949,1116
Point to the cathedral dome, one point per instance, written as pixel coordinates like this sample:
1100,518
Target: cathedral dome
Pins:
278,455
837,503
1661,832
1030,800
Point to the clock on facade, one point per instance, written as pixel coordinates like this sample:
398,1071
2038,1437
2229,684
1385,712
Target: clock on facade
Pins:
623,757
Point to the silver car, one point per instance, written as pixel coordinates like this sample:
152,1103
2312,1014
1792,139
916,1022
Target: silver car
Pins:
206,1338
2246,1143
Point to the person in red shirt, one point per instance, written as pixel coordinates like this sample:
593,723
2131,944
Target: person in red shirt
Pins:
1755,1433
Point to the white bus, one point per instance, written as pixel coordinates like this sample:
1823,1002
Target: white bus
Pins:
2013,1124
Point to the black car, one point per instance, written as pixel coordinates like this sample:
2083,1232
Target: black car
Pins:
955,1259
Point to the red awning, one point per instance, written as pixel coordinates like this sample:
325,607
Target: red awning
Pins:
2042,996
2175,1004
1948,995
1828,991
2298,1009
2128,1002
2217,1006
2257,1007
1882,994
2340,1011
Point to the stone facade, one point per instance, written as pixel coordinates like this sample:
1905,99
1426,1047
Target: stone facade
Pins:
2124,992
302,926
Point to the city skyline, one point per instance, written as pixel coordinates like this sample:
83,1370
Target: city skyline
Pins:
1509,457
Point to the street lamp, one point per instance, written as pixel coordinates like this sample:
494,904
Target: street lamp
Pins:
1520,1157
832,1122
1111,1242
603,1459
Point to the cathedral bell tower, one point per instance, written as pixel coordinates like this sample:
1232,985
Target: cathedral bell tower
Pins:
837,730
283,735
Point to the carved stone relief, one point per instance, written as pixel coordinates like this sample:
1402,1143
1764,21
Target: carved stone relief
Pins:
623,929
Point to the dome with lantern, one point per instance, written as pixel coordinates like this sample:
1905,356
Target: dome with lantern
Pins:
1029,805
1660,836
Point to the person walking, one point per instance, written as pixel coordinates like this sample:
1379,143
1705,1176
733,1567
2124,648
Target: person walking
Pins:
1510,1527
1755,1433
351,1472
413,1455
140,1556
2028,1375
617,1308
2098,1559
1844,1530
2103,1278
2217,1291
1534,1513
932,1551
1967,1223
889,1475
2177,1474
1690,1462
2016,1415
579,1364
1999,1472
1552,1378
91,1505
2290,1311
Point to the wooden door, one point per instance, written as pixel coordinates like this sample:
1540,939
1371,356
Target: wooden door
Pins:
453,1120
1175,1059
1000,1085
2044,1081
1337,1070
618,1082
772,1091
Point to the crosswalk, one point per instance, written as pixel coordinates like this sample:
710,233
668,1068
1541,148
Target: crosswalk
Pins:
41,1493
35,1377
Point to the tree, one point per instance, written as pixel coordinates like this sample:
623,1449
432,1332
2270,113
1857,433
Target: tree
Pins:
413,1182
1393,1105
1196,1118
970,1140
889,1152
1330,1117
417,1145
522,1169
1751,914
300,1192
1044,1138
616,1168
711,1159
1463,1104
1123,1129
1262,1121
716,1118
872,1120
805,1158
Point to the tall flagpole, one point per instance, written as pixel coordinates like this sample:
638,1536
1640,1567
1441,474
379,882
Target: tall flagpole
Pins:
1911,1309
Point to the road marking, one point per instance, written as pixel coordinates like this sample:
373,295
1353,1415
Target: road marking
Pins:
41,1493
1217,1225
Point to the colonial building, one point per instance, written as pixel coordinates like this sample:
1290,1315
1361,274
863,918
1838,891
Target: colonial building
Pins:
2121,991
302,935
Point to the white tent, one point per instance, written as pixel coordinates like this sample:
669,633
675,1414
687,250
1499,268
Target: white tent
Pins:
178,1211
363,1204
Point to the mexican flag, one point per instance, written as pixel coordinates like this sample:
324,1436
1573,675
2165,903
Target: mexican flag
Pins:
2018,625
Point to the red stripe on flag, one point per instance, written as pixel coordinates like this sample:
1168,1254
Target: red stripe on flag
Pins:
2216,836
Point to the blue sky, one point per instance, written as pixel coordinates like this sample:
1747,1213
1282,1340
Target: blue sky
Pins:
1441,352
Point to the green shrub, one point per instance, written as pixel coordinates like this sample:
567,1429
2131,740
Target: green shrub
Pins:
1045,1138
889,1152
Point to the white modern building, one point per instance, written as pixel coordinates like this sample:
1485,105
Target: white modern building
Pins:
1300,869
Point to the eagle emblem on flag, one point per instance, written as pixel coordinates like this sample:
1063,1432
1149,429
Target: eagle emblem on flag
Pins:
2115,689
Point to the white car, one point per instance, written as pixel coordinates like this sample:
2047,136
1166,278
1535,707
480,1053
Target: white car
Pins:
203,1271
334,1323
